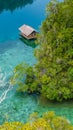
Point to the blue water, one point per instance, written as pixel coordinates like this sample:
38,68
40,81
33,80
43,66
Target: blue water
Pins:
15,106
32,14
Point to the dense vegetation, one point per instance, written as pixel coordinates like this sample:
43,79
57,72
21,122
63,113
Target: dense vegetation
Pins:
52,76
49,121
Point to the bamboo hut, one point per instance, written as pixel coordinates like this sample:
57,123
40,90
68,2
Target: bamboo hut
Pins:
28,32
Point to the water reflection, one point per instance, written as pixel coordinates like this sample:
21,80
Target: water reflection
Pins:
13,4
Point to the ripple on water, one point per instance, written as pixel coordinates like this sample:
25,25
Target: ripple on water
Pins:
11,55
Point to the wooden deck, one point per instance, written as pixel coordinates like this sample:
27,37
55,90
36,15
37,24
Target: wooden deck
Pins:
29,37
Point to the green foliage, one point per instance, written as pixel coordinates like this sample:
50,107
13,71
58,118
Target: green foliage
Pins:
49,121
23,77
55,55
52,76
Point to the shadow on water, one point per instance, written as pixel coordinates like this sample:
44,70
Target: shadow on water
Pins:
31,43
13,4
44,101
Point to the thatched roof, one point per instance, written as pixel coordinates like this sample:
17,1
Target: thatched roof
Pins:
26,30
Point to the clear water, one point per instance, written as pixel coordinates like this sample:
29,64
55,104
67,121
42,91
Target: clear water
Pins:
15,106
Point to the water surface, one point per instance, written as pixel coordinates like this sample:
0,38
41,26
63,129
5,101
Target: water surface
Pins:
15,106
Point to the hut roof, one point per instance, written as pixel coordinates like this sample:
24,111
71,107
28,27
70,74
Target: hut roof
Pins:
27,30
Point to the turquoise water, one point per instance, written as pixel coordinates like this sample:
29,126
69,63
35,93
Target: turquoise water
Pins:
15,106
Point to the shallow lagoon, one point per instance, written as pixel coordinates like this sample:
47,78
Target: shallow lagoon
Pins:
15,106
